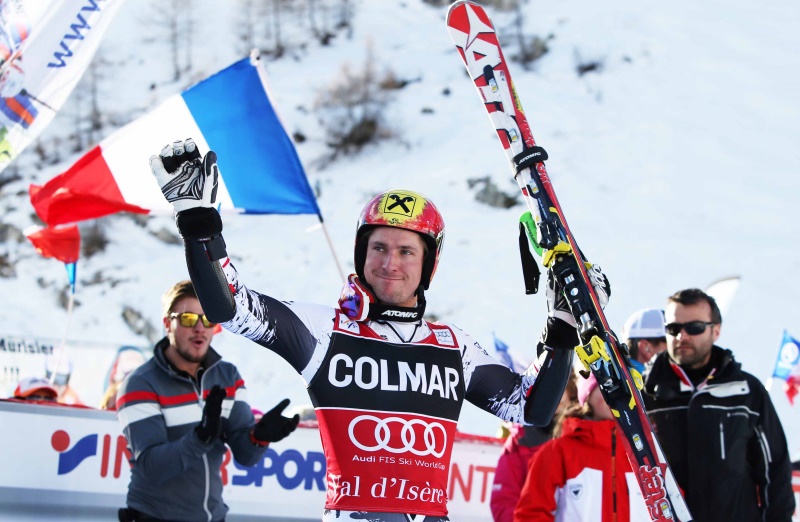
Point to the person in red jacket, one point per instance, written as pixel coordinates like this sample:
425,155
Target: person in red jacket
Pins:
512,466
583,474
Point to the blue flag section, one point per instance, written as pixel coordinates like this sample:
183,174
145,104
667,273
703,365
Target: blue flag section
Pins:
257,159
788,357
505,357
72,269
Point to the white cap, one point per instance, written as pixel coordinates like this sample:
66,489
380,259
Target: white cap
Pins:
645,324
30,385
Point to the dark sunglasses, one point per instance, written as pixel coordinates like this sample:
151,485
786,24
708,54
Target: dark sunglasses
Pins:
189,319
691,328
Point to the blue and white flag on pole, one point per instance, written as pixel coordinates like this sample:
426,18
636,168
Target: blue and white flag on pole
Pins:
507,358
45,47
788,357
229,113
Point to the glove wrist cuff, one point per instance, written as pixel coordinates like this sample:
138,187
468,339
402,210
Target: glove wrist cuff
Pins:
257,442
201,223
558,334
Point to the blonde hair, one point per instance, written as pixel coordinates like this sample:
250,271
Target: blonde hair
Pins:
573,410
177,292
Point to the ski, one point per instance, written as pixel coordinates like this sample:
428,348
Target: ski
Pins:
600,351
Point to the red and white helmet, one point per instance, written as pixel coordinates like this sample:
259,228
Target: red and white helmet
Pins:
407,210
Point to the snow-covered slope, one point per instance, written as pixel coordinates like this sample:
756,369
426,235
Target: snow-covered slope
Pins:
676,164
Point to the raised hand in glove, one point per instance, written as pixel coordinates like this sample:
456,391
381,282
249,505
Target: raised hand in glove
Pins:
190,184
186,180
561,325
273,426
210,425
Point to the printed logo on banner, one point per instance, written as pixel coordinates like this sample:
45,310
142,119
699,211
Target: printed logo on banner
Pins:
69,458
378,434
290,468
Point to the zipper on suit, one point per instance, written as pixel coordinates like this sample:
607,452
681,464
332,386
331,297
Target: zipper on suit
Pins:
205,456
207,488
722,440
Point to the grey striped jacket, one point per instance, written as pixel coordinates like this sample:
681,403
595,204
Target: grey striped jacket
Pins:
174,475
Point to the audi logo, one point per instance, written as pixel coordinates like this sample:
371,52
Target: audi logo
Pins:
407,435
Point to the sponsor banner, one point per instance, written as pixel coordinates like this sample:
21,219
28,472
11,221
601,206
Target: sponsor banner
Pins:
85,366
68,457
391,462
45,47
20,357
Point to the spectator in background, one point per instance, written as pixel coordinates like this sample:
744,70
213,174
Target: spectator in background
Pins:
583,473
58,370
35,389
128,358
716,424
178,411
645,336
512,467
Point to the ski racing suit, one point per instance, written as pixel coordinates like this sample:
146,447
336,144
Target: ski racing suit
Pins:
387,394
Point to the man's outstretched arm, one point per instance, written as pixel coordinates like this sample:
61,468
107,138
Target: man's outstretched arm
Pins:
189,182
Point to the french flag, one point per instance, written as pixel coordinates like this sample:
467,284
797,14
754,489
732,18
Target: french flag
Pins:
229,113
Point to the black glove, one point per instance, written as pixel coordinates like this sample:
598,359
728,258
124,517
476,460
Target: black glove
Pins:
556,302
273,426
211,424
560,330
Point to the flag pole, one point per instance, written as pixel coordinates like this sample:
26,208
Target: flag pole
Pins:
333,251
62,347
255,60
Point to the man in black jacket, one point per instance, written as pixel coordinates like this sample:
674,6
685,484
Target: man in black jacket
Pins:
716,423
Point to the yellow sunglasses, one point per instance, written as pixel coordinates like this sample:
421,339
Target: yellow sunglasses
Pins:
189,319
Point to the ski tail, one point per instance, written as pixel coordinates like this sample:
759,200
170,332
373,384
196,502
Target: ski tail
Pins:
600,351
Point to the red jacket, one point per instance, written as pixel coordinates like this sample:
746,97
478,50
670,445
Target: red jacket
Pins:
583,476
512,468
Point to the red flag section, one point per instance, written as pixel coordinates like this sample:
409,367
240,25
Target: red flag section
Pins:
792,388
86,191
63,243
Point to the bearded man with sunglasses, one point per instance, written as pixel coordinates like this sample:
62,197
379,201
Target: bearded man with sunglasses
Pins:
178,411
386,384
716,423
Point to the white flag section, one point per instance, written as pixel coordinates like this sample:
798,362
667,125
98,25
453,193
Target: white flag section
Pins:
45,47
723,291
